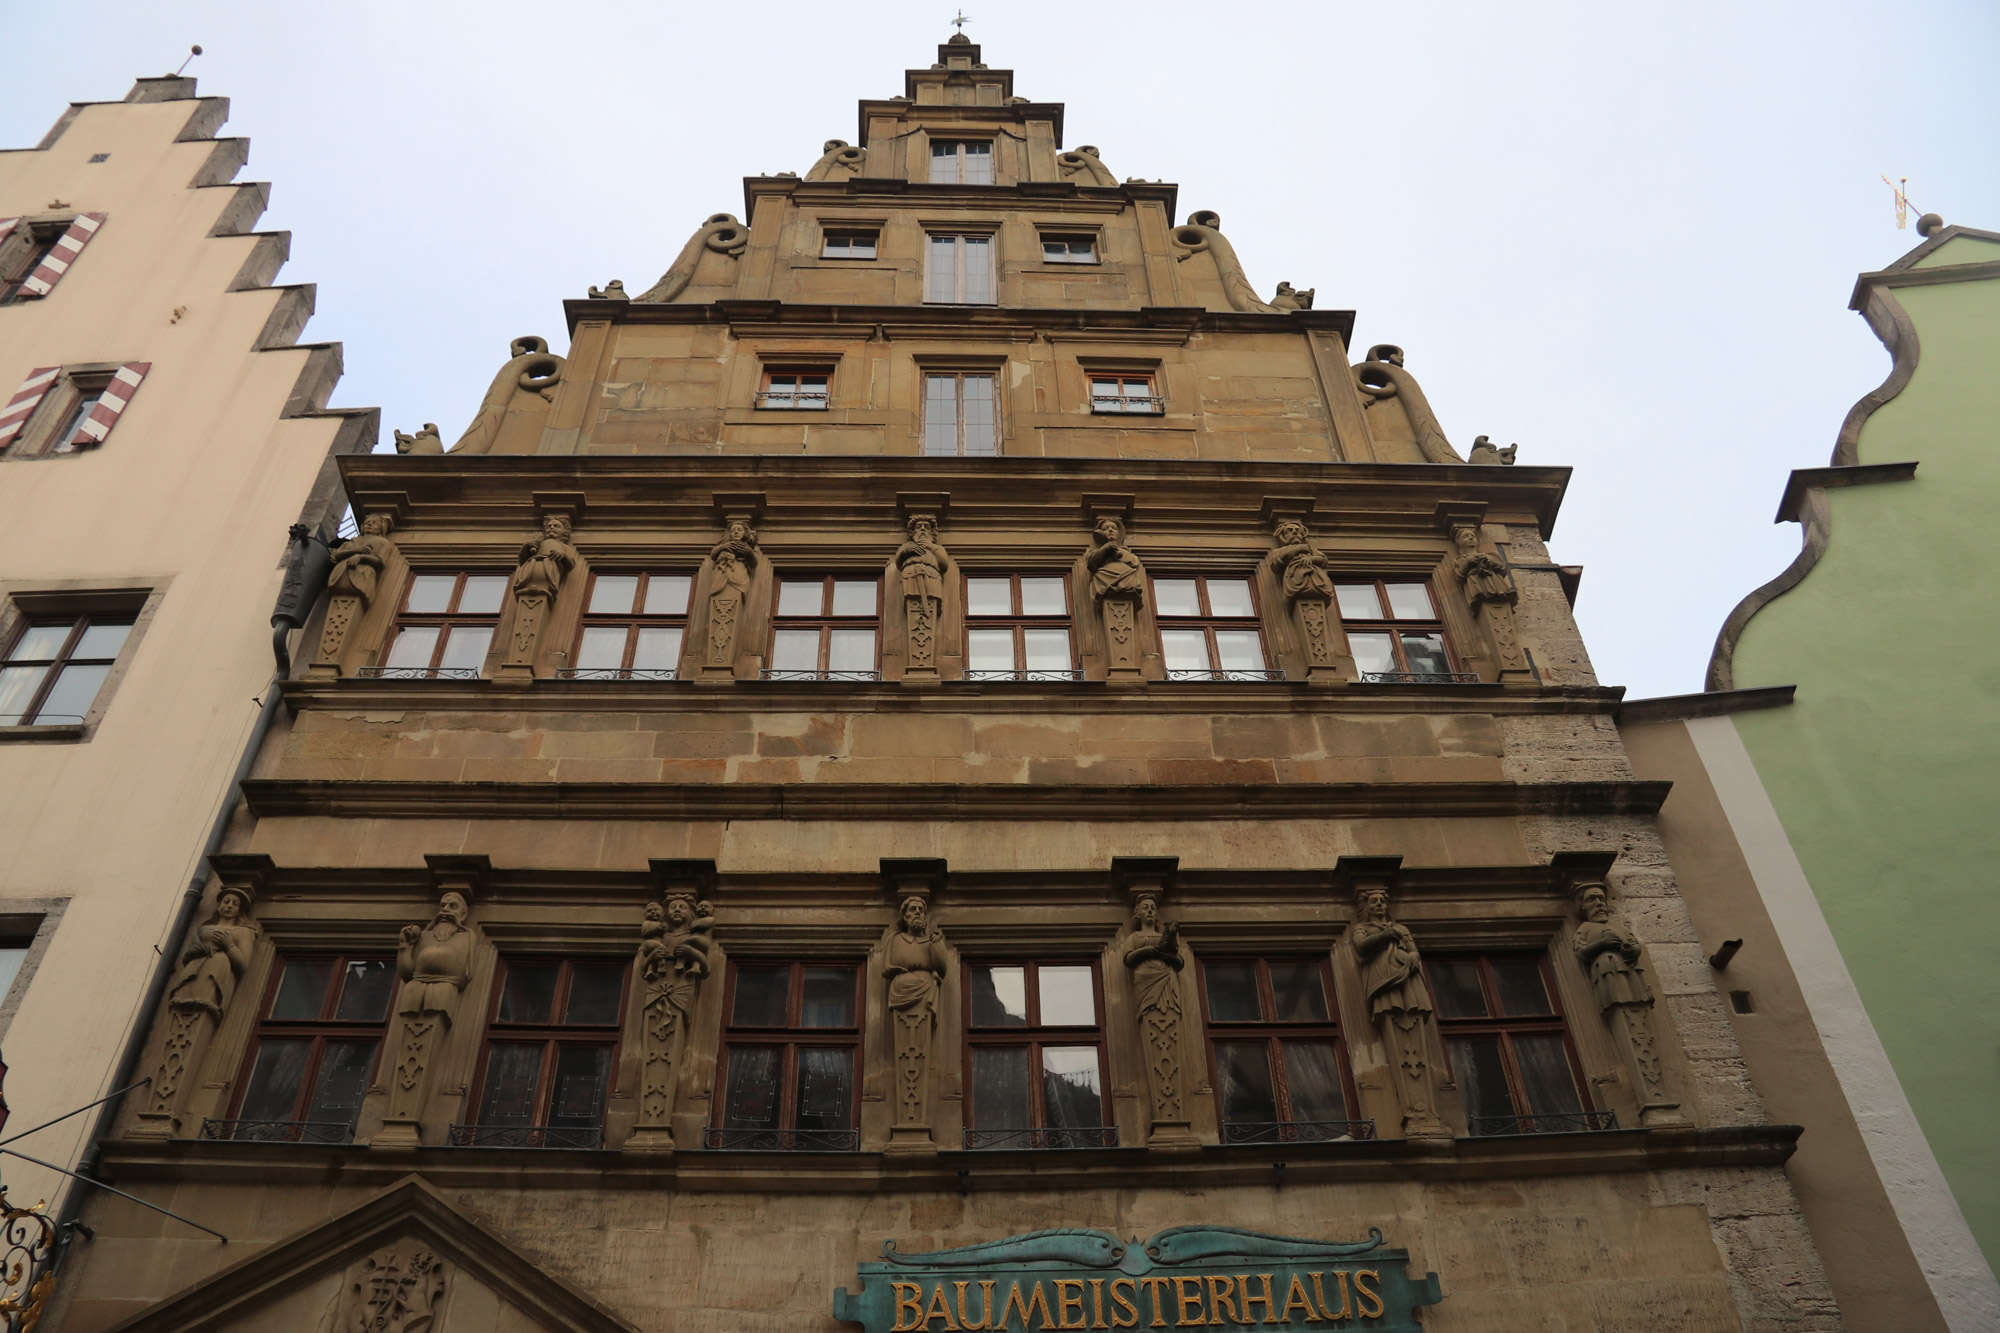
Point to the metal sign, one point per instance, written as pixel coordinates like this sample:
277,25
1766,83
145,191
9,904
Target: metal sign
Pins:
1186,1277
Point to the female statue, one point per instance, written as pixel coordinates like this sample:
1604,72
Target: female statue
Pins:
915,968
1114,570
211,965
1399,1004
728,588
674,945
1153,953
1483,577
358,561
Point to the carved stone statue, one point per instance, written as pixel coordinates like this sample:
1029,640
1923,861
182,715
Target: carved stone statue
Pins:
434,962
924,565
357,573
1153,953
722,234
397,1290
1610,953
1302,571
545,563
1396,409
838,160
1202,234
211,965
1289,298
1399,1004
613,290
1490,591
915,968
1485,451
673,961
733,558
1118,585
533,369
1085,166
425,441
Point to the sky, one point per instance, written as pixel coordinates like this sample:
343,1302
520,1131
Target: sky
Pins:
1623,236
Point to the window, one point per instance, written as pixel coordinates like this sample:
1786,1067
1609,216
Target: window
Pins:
1017,628
794,390
788,1058
314,1052
35,254
959,416
1068,249
633,625
59,410
849,245
961,162
1208,629
960,270
825,628
1280,1070
13,953
550,1048
1508,1045
54,668
1395,634
446,627
1125,393
1035,1057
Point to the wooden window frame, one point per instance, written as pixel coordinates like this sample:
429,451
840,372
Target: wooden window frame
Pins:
959,269
851,235
771,398
1394,629
1125,403
318,1030
1017,621
22,251
789,1038
1274,1032
1208,622
52,430
1034,1035
825,622
632,622
959,157
80,622
958,378
445,621
1503,1026
552,1036
1068,240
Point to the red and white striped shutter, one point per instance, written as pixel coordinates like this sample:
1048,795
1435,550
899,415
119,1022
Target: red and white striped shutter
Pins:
117,396
49,272
24,402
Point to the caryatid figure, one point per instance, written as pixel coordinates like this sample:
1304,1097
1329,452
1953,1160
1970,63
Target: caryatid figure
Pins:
1153,954
1490,591
434,962
732,561
357,574
923,563
1399,1005
1610,953
674,944
914,968
1302,571
1118,586
545,563
211,965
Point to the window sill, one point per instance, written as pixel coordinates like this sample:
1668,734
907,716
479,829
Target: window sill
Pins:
55,731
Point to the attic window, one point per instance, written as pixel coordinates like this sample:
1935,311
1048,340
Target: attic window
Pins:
961,162
1068,249
849,245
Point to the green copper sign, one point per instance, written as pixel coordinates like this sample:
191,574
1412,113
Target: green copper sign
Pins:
1187,1277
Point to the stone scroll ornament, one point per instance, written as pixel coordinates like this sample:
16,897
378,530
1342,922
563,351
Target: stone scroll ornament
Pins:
721,234
351,587
1202,234
531,369
545,562
435,963
1386,386
1610,953
397,1290
199,996
1118,586
838,160
914,969
924,565
1302,571
1489,589
1153,954
425,441
733,559
1086,167
1399,1004
674,945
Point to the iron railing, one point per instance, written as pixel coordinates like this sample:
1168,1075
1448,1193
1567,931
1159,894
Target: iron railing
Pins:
782,1140
617,673
418,673
792,402
858,677
1419,678
1105,1136
27,1269
278,1131
525,1136
1566,1122
1227,675
1296,1131
1023,677
1142,406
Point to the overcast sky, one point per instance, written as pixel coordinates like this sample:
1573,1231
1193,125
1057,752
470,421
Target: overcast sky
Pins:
1621,235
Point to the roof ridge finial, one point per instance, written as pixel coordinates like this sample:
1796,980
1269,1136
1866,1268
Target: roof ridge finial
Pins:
959,38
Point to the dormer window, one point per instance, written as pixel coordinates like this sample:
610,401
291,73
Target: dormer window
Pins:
961,162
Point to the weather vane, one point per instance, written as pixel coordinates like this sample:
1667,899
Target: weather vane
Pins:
1902,201
960,22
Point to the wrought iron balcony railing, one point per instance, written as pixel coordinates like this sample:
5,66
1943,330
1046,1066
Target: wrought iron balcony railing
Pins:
1296,1131
1419,678
418,673
1022,677
617,673
792,402
1000,1139
782,1140
1140,406
278,1131
1232,675
857,677
1569,1122
525,1136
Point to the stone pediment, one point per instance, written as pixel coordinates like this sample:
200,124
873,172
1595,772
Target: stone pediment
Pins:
406,1260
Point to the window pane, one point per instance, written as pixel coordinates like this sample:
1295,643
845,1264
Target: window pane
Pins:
1312,1076
1358,601
940,413
1175,597
1069,1000
795,650
40,643
942,281
760,996
1519,982
594,993
944,164
1043,597
1482,1081
1230,597
431,593
988,597
1239,650
1000,998
1070,1095
582,1073
413,647
1232,992
1048,649
513,1075
483,594
1455,987
1243,1081
851,650
1545,1074
301,990
1373,653
826,1088
530,993
1425,653
854,597
1300,991
344,1067
752,1100
667,594
613,594
829,998
977,392
273,1091
979,164
1185,649
801,597
658,650
989,649
978,256
364,990
70,698
465,647
1000,1088
602,649
101,641
1410,601
17,687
